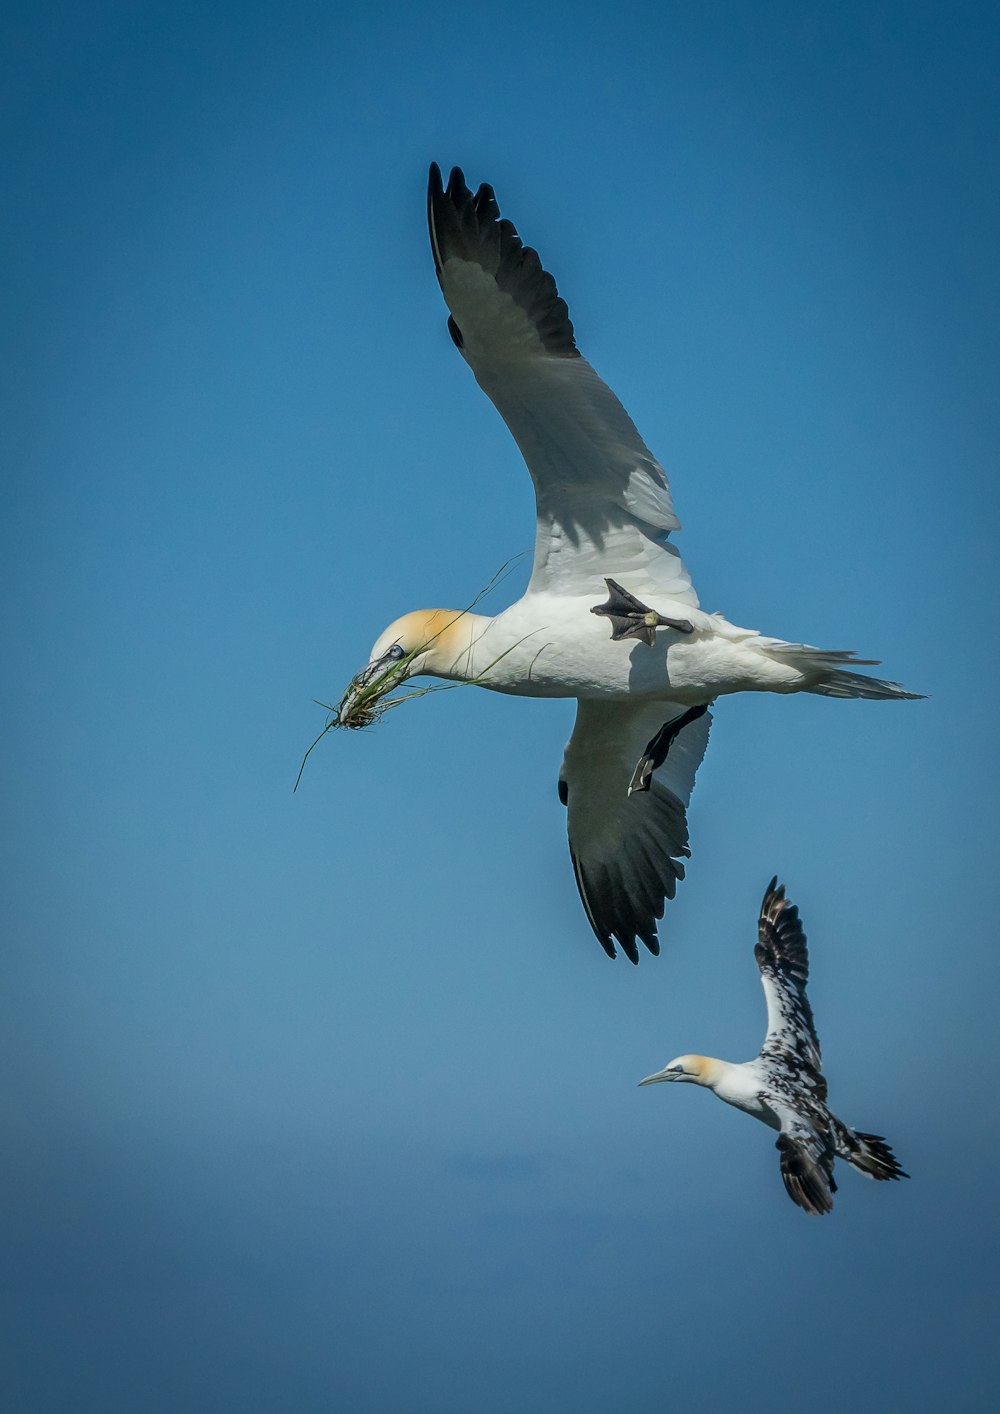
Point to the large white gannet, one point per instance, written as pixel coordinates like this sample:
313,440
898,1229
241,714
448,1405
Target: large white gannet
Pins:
604,513
784,1086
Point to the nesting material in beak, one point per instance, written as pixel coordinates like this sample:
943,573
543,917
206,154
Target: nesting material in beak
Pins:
364,701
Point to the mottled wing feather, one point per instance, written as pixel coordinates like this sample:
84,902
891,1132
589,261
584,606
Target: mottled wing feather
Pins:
783,960
627,849
807,1155
603,500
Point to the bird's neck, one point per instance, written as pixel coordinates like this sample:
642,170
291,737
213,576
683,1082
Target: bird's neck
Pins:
451,636
710,1071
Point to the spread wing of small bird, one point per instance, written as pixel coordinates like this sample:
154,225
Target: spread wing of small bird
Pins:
603,501
790,1056
783,959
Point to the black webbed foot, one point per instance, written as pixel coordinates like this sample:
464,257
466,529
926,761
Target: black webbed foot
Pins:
630,618
656,752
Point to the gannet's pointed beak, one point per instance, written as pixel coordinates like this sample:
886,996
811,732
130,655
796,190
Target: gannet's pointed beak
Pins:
665,1074
373,682
355,688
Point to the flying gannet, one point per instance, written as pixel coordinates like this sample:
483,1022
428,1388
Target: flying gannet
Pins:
604,514
784,1086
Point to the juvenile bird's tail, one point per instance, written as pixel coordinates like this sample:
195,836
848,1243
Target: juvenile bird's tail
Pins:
833,680
869,1154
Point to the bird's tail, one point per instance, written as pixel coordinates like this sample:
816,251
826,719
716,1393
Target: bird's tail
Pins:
869,1154
833,680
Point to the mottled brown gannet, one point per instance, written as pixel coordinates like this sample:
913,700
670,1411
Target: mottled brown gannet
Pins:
785,1086
604,514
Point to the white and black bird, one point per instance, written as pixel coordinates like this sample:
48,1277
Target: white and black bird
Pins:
784,1087
604,515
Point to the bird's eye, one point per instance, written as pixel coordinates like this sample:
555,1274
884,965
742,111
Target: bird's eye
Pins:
397,651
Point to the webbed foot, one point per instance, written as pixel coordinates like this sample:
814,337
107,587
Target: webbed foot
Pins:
630,618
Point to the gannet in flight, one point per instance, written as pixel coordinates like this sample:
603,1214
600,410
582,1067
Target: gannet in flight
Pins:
784,1086
604,512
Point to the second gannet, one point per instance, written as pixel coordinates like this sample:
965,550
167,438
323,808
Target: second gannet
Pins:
604,514
784,1086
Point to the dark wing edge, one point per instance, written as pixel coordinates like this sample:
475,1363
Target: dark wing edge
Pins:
468,227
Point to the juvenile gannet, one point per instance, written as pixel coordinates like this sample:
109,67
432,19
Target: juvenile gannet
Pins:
784,1086
604,512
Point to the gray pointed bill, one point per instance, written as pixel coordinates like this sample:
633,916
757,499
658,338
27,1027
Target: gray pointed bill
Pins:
666,1074
359,705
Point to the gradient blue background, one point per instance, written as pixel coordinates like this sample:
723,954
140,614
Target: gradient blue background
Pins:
327,1101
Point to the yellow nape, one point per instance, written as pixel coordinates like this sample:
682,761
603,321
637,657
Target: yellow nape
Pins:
441,633
702,1068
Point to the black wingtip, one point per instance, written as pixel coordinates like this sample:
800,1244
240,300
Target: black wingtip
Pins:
435,191
629,947
469,228
781,940
651,943
485,202
774,890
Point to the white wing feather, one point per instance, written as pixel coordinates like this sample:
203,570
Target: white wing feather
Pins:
603,500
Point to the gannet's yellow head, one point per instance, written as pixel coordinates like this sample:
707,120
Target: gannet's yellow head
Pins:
434,641
697,1069
429,639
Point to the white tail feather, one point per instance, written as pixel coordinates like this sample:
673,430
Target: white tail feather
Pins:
832,680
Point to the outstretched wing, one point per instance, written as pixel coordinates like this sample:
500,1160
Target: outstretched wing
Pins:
627,848
603,501
807,1157
783,960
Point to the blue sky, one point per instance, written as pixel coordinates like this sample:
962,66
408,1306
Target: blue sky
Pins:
327,1101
